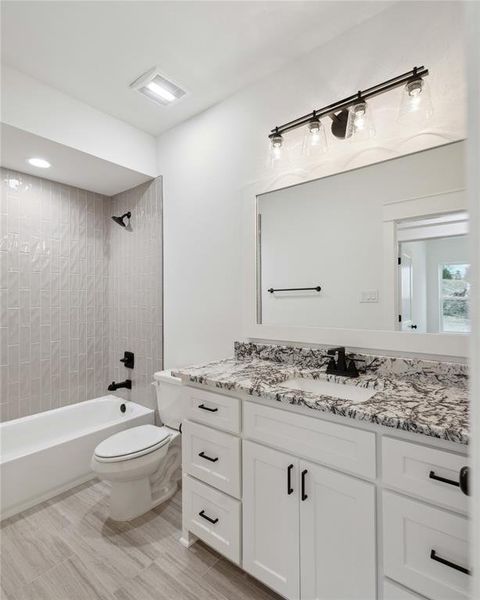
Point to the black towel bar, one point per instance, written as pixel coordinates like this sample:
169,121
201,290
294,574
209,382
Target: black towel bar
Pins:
316,289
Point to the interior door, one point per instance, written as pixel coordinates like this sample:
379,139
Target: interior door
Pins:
406,292
271,519
337,536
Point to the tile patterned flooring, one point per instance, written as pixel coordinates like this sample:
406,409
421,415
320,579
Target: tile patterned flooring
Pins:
68,549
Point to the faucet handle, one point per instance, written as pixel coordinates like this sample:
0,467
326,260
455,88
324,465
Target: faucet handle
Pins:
352,368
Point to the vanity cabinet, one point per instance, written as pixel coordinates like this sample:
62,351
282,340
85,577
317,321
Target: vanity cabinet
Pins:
337,536
296,499
271,525
303,522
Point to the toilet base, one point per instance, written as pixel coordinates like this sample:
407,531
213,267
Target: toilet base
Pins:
131,499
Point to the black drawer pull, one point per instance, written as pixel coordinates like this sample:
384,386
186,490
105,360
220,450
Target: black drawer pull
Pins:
203,407
464,480
289,480
304,495
203,455
207,518
444,561
443,479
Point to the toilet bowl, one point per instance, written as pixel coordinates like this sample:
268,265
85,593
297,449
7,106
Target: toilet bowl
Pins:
143,464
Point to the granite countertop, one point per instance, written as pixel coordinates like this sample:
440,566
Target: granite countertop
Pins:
415,401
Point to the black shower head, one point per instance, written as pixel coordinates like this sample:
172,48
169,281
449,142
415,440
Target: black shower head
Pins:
120,220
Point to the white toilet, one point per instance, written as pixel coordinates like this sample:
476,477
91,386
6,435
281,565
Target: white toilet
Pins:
143,464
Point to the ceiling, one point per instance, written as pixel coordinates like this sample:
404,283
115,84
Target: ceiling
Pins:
94,50
69,166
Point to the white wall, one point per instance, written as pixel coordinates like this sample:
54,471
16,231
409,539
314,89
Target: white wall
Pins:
327,232
37,108
208,161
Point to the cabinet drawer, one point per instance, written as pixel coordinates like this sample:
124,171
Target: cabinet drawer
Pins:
412,468
392,591
212,516
213,409
346,448
212,456
417,537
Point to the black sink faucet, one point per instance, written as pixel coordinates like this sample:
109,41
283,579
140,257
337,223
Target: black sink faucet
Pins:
123,384
339,366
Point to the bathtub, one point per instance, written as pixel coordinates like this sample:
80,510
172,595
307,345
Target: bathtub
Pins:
50,452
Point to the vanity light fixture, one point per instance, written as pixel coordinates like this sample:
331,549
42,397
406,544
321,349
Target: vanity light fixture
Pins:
276,140
359,122
315,139
351,116
155,86
41,163
416,101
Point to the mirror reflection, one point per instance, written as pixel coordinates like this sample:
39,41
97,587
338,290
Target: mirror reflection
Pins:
434,286
382,247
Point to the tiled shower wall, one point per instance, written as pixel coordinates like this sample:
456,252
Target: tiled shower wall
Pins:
59,275
135,289
53,289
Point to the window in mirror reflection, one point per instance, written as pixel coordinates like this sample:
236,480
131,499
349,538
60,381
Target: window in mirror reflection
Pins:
454,297
434,287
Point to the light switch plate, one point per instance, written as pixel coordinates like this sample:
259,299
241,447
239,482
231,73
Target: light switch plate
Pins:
369,296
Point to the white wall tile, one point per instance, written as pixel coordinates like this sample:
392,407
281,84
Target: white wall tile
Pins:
135,289
76,291
44,240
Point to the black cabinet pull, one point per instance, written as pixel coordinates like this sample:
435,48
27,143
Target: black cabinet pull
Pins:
203,407
464,480
207,518
289,480
444,561
304,495
203,455
443,479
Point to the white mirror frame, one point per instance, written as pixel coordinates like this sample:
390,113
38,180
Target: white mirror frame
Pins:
398,342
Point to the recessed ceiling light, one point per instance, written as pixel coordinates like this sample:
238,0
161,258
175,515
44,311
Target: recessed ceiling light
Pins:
41,163
156,87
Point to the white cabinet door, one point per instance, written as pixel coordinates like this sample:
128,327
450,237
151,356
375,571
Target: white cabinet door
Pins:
270,518
337,535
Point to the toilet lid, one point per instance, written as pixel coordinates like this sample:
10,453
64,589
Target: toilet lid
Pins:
142,439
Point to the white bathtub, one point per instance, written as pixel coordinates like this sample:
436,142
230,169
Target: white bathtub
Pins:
50,452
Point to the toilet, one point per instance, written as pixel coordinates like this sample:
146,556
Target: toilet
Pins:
143,464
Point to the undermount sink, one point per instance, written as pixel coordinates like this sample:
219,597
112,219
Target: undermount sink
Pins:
330,388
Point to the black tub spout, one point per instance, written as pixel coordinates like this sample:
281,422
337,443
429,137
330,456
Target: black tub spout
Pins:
123,384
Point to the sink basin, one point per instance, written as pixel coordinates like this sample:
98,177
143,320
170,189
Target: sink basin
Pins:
330,388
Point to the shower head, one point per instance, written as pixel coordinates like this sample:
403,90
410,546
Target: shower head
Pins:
120,220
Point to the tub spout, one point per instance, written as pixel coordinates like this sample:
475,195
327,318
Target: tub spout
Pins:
123,384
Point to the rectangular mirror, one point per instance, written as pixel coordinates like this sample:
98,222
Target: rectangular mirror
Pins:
382,247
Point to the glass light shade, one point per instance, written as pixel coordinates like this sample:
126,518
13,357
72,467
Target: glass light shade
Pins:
315,139
416,103
277,150
360,123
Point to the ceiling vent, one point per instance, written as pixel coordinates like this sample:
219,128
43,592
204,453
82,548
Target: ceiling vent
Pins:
156,87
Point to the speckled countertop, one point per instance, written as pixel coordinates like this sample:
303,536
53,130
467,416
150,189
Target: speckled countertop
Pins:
423,397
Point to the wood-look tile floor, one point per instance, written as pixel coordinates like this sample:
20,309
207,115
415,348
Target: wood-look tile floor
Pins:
68,549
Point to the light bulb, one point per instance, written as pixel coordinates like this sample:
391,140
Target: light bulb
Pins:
315,140
276,148
360,122
415,104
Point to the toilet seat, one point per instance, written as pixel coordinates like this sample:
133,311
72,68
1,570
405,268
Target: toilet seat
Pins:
132,443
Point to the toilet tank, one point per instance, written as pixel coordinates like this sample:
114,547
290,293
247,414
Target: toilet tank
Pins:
170,403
